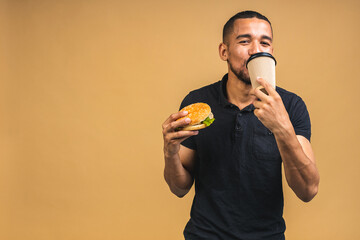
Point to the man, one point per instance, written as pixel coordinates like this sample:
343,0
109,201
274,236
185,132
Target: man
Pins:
236,162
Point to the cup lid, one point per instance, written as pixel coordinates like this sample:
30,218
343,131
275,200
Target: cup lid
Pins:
260,54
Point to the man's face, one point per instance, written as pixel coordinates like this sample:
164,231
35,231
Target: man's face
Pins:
249,36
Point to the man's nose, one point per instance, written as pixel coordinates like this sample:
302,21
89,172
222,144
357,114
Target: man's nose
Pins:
254,48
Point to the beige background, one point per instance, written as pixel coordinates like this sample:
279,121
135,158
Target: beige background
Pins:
85,86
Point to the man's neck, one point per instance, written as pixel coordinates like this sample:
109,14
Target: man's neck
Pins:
238,92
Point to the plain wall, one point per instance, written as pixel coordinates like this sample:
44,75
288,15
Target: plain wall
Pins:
85,86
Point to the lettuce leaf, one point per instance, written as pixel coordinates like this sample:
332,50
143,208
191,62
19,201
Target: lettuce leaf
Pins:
208,121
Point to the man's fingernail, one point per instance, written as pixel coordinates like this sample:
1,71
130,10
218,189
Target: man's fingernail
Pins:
185,112
187,120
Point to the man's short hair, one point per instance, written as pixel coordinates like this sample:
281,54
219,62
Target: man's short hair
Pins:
229,25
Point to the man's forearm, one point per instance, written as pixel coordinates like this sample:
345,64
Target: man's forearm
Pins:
177,177
300,170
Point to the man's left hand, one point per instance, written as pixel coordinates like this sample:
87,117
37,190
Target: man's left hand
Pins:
270,109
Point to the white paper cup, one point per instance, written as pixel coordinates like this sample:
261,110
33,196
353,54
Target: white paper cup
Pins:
262,65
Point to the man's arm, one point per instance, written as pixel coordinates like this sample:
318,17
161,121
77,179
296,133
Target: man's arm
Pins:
299,164
298,158
179,160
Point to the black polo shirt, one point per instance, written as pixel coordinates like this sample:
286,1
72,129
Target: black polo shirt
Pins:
238,183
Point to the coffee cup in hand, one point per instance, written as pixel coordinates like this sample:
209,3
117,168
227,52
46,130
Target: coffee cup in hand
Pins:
261,65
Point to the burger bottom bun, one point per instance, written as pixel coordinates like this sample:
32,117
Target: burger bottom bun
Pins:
193,127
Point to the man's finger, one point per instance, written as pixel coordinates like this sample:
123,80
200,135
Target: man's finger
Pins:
258,104
252,92
268,88
182,134
260,94
175,116
172,126
179,123
257,113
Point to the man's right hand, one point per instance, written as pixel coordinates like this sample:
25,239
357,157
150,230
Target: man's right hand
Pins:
177,168
173,138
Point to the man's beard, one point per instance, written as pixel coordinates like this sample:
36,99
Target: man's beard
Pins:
240,74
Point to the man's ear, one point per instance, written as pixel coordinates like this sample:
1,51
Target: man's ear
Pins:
223,51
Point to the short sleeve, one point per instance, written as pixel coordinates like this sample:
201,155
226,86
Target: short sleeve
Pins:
189,142
300,119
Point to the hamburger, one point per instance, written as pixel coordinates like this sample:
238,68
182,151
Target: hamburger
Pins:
200,116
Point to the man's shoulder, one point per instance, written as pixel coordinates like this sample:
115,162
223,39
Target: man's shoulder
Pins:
287,96
206,92
213,87
209,94
286,93
292,101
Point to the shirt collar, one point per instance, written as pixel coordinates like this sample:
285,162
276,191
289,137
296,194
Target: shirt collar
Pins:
223,96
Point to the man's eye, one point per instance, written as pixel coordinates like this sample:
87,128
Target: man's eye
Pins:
265,43
244,41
